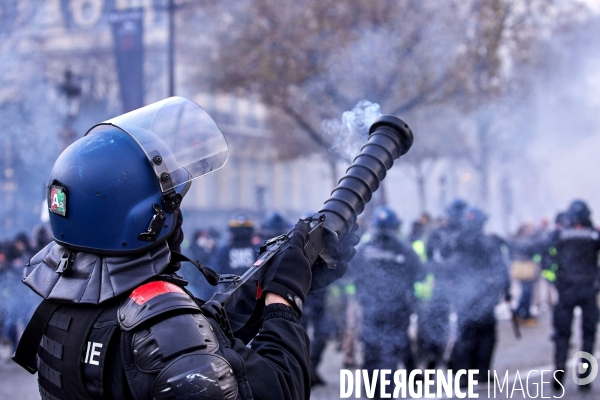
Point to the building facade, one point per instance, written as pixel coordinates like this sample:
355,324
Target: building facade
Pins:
46,39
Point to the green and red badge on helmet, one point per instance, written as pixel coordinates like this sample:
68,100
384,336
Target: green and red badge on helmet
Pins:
58,200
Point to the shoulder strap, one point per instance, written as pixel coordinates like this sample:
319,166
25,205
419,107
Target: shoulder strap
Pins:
28,345
84,317
211,276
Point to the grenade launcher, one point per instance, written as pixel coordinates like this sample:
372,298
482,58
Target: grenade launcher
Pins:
389,138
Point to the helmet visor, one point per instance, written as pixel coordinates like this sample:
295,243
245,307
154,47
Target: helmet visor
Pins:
180,139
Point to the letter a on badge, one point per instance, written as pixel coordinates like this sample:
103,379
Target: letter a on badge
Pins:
58,200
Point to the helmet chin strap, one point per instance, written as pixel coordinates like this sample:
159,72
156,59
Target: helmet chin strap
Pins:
171,202
211,276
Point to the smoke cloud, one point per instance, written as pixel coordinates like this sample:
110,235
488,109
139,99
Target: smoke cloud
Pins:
351,132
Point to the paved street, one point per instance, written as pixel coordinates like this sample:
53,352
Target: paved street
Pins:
532,352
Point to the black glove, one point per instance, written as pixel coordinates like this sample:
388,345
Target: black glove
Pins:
342,253
290,275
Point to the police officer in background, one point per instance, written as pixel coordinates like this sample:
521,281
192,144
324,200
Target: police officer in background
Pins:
575,260
385,270
480,279
234,258
117,321
274,225
434,291
238,254
450,228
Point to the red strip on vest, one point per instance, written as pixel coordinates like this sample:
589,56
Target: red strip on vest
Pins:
150,290
259,291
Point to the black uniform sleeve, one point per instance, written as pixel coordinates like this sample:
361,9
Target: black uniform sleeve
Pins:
277,362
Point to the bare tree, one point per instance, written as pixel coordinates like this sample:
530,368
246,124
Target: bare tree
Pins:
493,76
310,61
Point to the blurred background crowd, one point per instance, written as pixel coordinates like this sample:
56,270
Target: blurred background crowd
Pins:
424,294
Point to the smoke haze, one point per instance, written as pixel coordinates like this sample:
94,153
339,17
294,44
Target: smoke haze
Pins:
351,133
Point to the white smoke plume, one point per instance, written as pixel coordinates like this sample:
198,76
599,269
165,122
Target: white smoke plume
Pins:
351,132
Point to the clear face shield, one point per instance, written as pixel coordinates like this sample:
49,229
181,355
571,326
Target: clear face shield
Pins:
180,139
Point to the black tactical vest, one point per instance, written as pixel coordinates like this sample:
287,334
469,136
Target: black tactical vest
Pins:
154,343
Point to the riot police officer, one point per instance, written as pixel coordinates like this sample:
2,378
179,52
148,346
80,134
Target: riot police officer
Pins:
385,271
575,258
274,225
117,321
234,257
480,279
239,252
434,290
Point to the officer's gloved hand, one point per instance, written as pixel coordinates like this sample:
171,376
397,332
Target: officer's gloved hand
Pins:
290,275
342,253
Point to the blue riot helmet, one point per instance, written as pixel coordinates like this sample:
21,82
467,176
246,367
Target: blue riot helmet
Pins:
561,220
455,212
385,218
241,229
579,213
275,224
118,189
474,220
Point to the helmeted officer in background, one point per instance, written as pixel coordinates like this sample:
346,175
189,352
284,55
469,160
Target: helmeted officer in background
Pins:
238,254
274,225
385,271
480,280
434,290
234,257
451,227
575,260
117,321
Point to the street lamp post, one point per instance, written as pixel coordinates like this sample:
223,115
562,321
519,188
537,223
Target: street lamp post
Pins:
9,187
171,10
71,89
171,55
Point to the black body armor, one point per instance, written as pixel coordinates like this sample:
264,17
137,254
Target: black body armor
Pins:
126,348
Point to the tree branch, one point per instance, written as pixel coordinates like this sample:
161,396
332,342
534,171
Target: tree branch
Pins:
302,123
